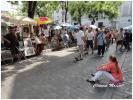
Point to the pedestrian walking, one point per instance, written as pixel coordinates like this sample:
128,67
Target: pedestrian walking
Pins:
38,45
95,38
101,41
126,40
119,39
112,36
112,70
85,35
65,38
43,41
80,43
47,35
108,39
90,39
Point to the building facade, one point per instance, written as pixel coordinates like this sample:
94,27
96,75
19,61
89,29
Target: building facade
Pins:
59,17
125,18
10,7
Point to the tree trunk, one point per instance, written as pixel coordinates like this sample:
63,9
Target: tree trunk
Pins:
66,10
79,19
62,13
31,8
37,11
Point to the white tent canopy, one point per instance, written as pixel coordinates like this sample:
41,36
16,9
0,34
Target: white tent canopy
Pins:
66,24
57,27
128,27
24,20
93,26
7,18
18,19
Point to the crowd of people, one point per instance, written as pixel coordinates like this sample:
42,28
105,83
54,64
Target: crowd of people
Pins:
84,38
56,39
101,39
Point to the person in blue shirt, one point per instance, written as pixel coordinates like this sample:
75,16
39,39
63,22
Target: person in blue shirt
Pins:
101,41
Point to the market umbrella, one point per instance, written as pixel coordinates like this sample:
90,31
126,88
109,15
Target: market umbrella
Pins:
28,20
129,28
7,18
93,26
43,20
73,27
66,24
57,27
84,26
4,23
24,20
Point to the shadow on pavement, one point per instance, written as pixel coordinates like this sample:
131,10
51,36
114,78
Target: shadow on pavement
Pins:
54,77
60,78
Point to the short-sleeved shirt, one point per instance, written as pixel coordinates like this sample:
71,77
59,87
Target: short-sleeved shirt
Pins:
46,32
90,36
101,39
120,36
79,36
13,39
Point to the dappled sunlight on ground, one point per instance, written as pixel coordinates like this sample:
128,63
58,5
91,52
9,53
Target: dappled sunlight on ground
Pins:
61,53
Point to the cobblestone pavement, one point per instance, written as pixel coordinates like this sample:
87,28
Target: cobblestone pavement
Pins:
55,75
125,92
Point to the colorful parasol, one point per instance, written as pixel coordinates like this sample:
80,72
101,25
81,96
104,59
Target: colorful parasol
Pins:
43,20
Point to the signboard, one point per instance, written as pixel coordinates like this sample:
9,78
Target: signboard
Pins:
28,47
29,51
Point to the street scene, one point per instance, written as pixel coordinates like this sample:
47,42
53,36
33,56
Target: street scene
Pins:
66,49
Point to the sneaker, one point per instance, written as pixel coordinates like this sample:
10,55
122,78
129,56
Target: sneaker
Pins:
86,53
76,59
92,75
81,59
98,55
91,81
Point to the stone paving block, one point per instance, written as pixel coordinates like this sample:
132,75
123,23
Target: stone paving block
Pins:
61,78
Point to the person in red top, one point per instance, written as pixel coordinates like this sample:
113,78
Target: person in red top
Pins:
112,70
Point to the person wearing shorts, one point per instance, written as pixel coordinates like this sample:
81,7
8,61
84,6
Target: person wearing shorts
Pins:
90,39
119,39
80,43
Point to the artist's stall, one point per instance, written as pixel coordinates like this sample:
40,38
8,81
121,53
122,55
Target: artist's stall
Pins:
26,26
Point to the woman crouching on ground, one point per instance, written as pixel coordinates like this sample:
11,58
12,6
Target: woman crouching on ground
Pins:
112,70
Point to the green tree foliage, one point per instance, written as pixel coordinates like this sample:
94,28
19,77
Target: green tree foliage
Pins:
77,10
111,9
93,8
46,8
43,8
